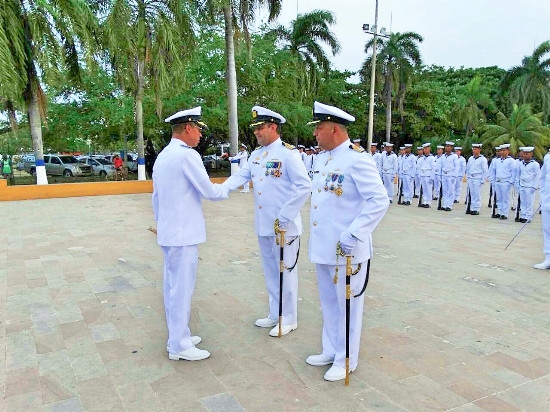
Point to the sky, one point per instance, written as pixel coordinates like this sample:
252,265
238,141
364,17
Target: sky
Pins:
469,33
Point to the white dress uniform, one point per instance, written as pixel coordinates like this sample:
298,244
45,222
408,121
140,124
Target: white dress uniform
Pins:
377,156
417,179
180,182
449,171
459,177
426,170
505,174
528,181
545,209
242,158
281,187
389,170
408,171
437,177
476,175
491,175
348,196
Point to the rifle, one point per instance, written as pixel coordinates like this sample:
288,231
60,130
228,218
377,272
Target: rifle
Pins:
440,195
420,197
469,201
400,191
517,209
494,203
490,194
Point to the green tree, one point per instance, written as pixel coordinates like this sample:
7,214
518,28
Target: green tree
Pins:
398,56
472,103
530,82
304,39
146,44
41,40
521,128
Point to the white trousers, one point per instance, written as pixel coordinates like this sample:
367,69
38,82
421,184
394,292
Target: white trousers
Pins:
527,199
437,186
458,188
503,197
417,184
474,189
333,305
180,273
388,183
427,189
448,183
270,253
546,233
408,188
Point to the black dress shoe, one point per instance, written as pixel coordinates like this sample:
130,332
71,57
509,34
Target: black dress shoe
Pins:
517,219
468,212
391,201
523,220
448,209
495,216
456,201
475,213
426,206
415,197
503,218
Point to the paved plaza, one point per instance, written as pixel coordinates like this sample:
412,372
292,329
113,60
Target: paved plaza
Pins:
451,320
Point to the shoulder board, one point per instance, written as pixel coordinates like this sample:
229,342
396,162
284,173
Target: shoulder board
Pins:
288,146
357,149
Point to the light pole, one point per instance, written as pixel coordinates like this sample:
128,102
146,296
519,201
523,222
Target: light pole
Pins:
373,30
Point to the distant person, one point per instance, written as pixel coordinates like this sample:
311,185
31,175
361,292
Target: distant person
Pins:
545,208
242,159
150,157
118,163
6,167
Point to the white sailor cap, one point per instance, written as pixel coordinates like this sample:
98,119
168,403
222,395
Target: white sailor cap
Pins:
505,146
401,147
449,143
243,145
391,145
419,147
325,113
440,147
184,116
521,148
498,148
301,146
458,148
408,145
478,145
356,140
262,115
375,144
426,145
316,147
310,148
528,148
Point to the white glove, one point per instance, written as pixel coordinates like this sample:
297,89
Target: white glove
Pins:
347,242
283,223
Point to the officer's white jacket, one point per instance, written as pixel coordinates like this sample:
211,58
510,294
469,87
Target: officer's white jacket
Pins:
505,169
408,165
179,182
389,163
529,174
358,209
545,184
426,166
241,157
449,165
477,169
281,186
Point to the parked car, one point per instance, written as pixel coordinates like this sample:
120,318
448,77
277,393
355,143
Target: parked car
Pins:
100,166
61,165
215,162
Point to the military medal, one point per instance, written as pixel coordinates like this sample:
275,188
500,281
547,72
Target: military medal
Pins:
339,191
273,168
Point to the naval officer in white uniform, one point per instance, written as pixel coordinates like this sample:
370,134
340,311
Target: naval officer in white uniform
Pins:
179,183
281,187
348,201
545,209
242,158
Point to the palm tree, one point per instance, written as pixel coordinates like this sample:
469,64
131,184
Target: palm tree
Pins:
472,103
40,39
398,56
147,41
522,128
237,15
303,40
530,82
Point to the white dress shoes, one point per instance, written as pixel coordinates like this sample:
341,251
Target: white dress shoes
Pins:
195,340
285,330
319,360
191,354
266,323
336,373
543,265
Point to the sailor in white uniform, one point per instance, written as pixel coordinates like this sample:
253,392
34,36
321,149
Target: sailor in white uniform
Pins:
505,175
389,169
347,203
179,183
281,187
426,170
437,177
476,174
449,172
377,156
460,173
545,209
528,179
242,158
408,171
417,179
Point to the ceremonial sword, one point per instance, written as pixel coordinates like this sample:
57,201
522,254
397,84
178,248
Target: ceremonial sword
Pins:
525,224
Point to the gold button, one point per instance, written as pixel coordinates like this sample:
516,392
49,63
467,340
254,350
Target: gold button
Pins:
324,173
314,223
315,206
259,193
319,190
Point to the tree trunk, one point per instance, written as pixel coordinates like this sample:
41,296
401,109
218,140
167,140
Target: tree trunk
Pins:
139,120
389,86
36,134
231,77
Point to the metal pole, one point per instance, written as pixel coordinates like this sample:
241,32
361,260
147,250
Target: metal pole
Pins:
372,80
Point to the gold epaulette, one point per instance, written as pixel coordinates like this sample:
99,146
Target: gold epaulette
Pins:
357,149
288,146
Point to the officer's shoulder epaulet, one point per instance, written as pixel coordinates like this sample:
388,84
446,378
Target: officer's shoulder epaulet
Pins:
288,146
357,149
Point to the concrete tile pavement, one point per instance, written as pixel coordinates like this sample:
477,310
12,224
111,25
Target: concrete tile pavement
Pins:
451,321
